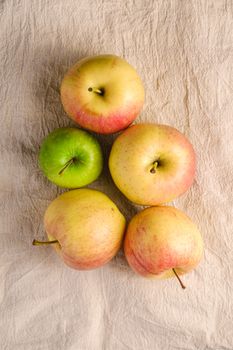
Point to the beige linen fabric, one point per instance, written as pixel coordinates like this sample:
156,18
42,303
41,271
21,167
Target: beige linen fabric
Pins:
183,51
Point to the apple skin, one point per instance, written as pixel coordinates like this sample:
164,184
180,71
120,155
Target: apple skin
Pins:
65,144
131,162
159,239
88,226
122,95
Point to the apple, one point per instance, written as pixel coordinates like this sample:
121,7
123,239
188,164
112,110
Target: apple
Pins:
152,164
71,157
102,93
85,227
162,242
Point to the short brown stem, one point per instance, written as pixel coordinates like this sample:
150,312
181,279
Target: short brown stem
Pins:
66,166
153,168
177,276
35,242
96,90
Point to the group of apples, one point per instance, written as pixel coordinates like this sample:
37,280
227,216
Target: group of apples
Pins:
151,164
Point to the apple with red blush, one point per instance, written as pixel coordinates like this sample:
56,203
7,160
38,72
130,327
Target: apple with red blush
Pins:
162,242
152,164
85,227
102,93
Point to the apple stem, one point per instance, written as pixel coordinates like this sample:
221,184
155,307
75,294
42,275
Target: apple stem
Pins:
35,242
66,166
154,166
177,276
96,90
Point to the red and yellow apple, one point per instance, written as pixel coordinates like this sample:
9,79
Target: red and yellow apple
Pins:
85,227
152,164
162,242
102,93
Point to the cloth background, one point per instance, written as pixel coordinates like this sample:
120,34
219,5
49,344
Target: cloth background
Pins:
183,50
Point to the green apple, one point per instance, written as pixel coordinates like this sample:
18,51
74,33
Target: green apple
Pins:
71,157
102,93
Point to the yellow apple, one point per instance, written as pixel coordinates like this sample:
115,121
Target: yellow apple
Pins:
152,164
102,93
85,227
162,242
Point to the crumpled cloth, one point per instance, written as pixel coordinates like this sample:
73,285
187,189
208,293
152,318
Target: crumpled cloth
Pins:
183,50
